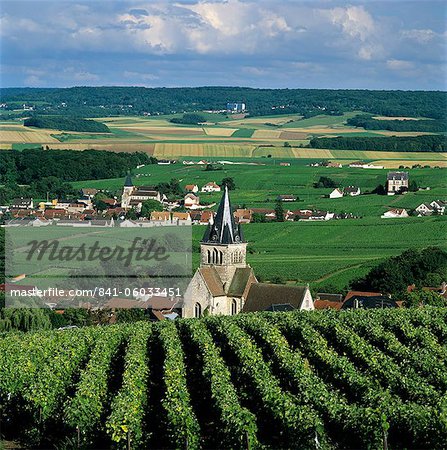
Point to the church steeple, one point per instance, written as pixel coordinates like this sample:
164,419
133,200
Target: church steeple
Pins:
224,229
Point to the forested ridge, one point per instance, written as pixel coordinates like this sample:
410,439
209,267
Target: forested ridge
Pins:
65,123
369,123
425,143
358,379
100,101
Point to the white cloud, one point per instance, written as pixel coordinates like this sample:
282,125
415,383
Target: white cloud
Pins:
399,64
355,21
421,36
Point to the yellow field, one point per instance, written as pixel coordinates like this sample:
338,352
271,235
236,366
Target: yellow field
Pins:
266,134
112,146
226,132
199,150
403,133
392,164
399,118
14,134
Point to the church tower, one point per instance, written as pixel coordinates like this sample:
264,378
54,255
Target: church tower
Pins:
127,192
223,246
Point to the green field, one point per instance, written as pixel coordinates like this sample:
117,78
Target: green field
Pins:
333,252
221,136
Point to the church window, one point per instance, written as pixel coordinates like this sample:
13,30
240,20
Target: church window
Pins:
197,310
233,307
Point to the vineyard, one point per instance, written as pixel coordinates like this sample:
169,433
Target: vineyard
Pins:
316,380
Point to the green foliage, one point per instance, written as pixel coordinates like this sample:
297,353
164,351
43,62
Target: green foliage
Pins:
149,206
369,123
66,124
229,183
426,143
269,380
189,119
100,101
279,211
393,275
325,182
422,297
24,319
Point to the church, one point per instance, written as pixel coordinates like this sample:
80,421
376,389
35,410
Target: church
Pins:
225,284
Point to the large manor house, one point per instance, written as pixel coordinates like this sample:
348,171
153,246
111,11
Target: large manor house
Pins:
225,284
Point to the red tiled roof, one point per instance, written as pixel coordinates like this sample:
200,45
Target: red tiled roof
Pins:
361,294
327,304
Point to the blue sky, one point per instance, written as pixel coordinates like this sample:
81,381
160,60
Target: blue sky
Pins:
259,43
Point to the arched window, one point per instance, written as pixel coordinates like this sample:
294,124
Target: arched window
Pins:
233,307
209,256
197,310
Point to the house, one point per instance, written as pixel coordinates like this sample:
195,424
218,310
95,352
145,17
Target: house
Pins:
395,213
284,164
191,201
22,203
330,297
277,297
424,209
235,107
206,217
134,196
243,215
181,218
357,164
353,191
54,213
286,198
334,164
211,187
327,304
269,214
397,182
368,302
88,193
192,188
336,193
160,216
439,206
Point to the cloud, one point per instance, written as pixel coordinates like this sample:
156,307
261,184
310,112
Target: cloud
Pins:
399,64
251,42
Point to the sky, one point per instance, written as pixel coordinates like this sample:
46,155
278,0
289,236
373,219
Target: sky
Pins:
258,43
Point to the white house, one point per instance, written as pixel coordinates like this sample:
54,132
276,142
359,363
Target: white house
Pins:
439,206
353,191
211,187
424,209
191,201
336,193
395,213
192,188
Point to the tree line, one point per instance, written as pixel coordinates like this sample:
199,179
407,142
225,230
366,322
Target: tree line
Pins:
65,123
427,143
100,101
36,172
368,122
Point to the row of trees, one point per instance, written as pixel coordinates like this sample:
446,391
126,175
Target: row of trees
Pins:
98,101
66,123
427,143
369,123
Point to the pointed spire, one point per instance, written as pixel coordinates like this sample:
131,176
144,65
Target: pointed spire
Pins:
224,229
128,181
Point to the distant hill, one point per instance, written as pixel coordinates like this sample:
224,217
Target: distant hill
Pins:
103,101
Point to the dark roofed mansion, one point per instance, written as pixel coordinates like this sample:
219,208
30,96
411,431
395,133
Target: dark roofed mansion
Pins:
222,283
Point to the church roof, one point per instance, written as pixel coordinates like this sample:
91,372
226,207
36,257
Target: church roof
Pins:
224,229
213,281
262,296
239,282
128,181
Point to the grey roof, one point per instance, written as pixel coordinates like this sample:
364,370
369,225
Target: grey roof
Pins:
224,229
128,181
397,176
262,296
240,280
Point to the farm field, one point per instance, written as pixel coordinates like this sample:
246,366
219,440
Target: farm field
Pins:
221,136
333,252
262,380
